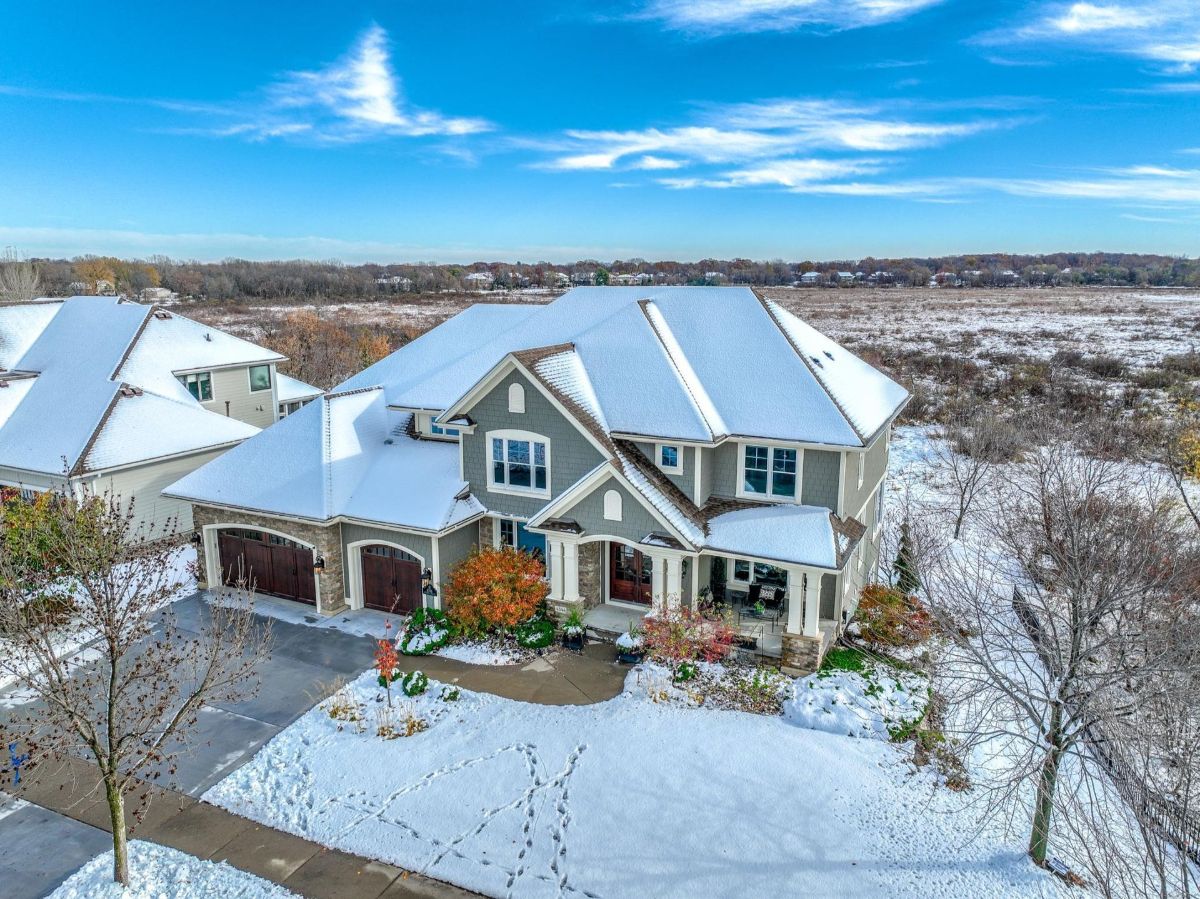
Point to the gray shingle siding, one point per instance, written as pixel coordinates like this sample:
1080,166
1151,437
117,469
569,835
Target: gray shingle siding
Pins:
828,595
853,496
819,483
685,480
456,546
636,522
724,465
571,455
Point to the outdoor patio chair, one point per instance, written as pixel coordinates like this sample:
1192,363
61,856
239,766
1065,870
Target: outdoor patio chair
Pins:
754,596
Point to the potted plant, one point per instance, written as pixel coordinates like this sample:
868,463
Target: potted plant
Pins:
573,630
631,646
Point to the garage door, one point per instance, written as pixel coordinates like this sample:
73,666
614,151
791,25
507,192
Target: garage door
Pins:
274,564
391,579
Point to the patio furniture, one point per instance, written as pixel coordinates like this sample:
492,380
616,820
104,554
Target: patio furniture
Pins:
754,595
718,592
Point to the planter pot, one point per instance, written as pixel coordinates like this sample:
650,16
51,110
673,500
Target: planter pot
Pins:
573,641
629,657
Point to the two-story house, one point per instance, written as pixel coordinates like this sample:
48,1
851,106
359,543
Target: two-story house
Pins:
124,399
652,444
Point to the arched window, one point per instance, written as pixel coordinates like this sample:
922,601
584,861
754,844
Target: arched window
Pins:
612,505
516,398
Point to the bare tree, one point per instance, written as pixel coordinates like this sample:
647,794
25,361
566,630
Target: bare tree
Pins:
973,444
130,703
1101,565
18,280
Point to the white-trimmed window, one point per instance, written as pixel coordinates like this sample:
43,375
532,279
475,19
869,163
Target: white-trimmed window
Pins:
198,384
612,505
442,431
670,457
862,468
516,398
507,532
770,471
741,571
519,462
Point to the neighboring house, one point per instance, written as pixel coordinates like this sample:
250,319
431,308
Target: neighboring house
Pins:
397,282
845,277
292,395
558,279
479,280
157,295
810,279
609,432
122,398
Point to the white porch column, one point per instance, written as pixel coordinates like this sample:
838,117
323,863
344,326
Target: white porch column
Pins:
674,582
795,600
554,558
812,603
657,596
570,572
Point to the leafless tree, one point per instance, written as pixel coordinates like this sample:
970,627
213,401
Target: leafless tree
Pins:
130,702
1106,570
966,458
18,281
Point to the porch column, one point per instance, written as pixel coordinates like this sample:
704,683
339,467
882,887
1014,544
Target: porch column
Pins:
554,558
795,600
812,603
657,595
674,585
570,572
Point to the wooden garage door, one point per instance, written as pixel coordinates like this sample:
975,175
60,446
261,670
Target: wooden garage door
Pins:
274,564
391,579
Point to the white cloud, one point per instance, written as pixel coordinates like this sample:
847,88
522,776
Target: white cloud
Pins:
1163,31
745,132
1141,183
713,17
360,95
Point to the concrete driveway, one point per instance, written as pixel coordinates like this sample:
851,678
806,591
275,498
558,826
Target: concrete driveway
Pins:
39,848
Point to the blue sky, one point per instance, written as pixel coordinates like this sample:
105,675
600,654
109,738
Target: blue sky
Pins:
459,131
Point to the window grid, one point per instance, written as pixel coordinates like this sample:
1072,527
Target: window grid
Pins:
519,464
770,470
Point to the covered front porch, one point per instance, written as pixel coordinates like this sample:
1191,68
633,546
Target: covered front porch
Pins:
777,609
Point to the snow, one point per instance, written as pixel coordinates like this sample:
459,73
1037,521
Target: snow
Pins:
157,872
20,327
874,703
798,534
479,654
289,389
631,797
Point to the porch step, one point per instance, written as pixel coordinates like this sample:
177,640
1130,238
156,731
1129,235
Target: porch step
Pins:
602,635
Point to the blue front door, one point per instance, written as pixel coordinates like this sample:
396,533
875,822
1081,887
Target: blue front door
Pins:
531,543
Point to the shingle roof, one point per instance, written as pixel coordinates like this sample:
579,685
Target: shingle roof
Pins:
72,416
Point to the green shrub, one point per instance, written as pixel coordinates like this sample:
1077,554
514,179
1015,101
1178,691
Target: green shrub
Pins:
685,672
536,633
426,631
415,683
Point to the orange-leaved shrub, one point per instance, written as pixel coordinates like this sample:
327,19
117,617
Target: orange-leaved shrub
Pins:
888,617
494,589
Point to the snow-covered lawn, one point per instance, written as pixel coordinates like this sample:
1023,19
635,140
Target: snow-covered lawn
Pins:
877,702
73,637
157,872
630,797
481,653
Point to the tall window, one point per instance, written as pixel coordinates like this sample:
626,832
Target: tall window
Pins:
199,384
260,377
770,471
520,464
508,532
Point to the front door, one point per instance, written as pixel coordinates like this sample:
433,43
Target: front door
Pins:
629,574
391,579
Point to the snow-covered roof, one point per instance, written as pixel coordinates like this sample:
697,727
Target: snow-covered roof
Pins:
289,389
801,535
73,416
344,454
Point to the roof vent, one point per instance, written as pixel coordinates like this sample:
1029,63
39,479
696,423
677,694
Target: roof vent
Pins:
3,384
208,337
817,362
162,314
829,354
389,441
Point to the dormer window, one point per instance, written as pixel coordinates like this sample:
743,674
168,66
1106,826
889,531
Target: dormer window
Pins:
670,458
520,462
769,471
198,384
440,431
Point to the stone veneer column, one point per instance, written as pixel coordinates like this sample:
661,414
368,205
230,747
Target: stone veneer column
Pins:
591,572
487,525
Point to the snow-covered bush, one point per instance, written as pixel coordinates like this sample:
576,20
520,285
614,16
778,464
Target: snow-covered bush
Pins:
863,698
415,683
535,633
425,631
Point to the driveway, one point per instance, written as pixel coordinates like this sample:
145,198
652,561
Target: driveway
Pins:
306,663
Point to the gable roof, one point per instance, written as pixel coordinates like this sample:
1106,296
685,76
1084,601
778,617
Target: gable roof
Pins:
73,416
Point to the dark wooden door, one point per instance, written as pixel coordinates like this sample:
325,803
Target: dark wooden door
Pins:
269,565
629,574
391,579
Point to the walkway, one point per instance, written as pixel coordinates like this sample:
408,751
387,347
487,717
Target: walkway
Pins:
67,812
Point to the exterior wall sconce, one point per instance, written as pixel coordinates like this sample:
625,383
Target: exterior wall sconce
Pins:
196,538
319,564
427,587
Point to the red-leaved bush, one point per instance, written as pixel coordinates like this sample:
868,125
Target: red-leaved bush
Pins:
683,635
494,588
887,617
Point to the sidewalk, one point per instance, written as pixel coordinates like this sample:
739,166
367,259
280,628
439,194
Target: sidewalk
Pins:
208,832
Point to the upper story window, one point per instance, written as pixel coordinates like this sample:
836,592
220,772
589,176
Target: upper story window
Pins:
769,471
519,462
199,384
260,377
670,458
516,398
443,432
